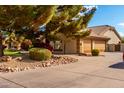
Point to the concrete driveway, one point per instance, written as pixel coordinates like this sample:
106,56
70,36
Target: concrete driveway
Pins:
103,71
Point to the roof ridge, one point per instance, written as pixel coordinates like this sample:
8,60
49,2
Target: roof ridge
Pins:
101,26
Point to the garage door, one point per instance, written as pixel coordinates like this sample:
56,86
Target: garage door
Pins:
87,46
100,45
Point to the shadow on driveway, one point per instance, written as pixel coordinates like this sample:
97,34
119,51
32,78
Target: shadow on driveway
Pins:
119,65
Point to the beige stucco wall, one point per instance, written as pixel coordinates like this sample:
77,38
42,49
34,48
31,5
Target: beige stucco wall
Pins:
122,47
71,46
114,38
81,47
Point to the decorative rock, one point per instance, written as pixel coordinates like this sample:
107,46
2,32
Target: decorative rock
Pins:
12,70
6,58
48,64
9,58
44,64
16,69
21,69
40,66
27,68
3,59
37,65
6,70
19,58
14,66
32,67
9,69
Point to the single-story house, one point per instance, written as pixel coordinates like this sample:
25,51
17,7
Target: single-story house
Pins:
101,37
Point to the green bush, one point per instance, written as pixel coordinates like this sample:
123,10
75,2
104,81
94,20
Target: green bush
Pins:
95,52
40,54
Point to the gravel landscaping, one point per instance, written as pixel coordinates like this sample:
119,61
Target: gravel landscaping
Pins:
24,63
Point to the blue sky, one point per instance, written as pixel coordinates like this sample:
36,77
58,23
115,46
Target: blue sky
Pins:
109,15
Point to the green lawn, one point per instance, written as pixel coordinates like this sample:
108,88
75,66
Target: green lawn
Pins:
12,52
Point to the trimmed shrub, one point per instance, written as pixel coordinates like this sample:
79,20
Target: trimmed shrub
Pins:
40,54
95,52
26,44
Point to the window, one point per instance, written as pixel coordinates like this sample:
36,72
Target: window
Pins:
57,45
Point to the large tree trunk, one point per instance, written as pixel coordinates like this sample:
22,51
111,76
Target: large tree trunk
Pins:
1,46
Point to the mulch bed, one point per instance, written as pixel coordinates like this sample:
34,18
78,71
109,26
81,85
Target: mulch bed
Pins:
24,63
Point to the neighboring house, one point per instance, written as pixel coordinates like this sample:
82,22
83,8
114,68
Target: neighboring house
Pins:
103,38
113,44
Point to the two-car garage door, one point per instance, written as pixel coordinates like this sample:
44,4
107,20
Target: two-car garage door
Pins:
96,44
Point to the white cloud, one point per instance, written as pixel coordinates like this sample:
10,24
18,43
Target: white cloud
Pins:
121,33
91,6
121,24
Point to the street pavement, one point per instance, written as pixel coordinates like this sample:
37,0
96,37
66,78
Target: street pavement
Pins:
105,71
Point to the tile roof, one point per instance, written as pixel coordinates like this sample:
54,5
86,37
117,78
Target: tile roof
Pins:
98,31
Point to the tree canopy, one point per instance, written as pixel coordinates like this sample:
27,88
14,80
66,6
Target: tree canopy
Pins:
64,19
70,20
122,39
16,17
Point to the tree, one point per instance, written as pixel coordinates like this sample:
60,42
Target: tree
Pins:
122,39
63,19
68,21
71,21
14,18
